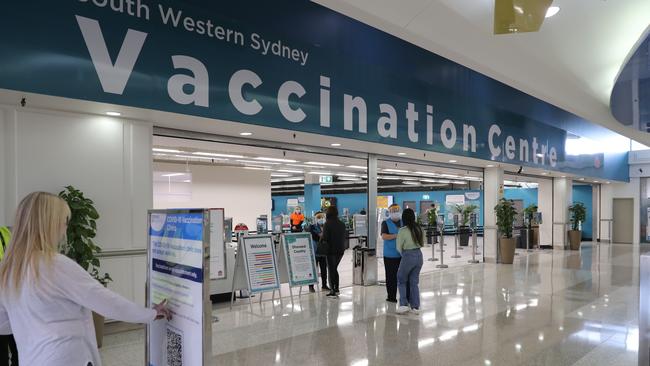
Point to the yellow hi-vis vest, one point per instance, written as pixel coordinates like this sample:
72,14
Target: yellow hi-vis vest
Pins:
5,237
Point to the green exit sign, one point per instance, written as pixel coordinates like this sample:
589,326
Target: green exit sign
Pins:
325,179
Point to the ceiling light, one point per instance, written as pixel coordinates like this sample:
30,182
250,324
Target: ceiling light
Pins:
257,162
292,179
218,155
582,178
411,183
453,161
595,181
401,153
320,173
564,176
335,145
489,166
429,181
173,175
276,160
552,10
390,178
280,175
114,114
167,150
187,181
458,182
345,175
200,157
290,171
256,168
427,173
358,167
246,134
321,164
544,173
395,170
349,179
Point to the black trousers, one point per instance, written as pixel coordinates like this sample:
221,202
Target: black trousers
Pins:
332,267
321,262
7,344
391,265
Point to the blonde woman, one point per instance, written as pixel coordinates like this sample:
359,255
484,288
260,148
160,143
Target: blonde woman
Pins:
46,299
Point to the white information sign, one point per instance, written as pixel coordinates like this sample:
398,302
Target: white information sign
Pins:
260,263
218,270
454,199
299,255
177,242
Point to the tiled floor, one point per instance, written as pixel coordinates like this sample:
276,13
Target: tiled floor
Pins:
548,308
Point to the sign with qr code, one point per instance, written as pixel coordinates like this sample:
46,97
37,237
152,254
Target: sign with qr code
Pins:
178,268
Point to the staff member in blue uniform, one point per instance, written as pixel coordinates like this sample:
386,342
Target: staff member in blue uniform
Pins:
7,342
389,229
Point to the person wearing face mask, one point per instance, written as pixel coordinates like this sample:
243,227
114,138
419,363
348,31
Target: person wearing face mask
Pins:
297,218
316,230
389,229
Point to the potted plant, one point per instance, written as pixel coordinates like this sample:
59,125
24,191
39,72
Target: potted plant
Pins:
432,220
464,211
578,214
506,212
82,228
533,228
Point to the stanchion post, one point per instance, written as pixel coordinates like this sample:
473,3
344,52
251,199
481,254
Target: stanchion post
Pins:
441,227
473,223
433,248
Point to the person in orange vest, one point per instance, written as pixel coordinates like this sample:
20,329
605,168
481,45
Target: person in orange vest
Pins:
297,218
7,342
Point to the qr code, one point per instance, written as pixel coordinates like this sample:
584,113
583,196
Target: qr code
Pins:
174,348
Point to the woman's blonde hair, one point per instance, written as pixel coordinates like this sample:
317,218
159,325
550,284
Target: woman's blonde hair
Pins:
40,225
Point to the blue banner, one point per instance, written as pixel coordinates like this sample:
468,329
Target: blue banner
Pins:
286,64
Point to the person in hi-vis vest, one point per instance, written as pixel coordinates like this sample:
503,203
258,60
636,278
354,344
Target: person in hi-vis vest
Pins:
7,342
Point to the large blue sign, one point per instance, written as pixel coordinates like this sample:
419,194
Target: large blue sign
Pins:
286,64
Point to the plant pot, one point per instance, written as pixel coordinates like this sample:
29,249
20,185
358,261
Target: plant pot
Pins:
507,249
575,237
98,320
464,237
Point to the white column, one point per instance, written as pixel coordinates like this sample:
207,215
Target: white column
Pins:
372,201
493,191
562,199
545,206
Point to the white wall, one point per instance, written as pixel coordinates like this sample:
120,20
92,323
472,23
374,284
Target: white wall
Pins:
621,190
243,194
545,206
108,159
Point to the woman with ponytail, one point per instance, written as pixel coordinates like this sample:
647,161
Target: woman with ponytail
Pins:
410,239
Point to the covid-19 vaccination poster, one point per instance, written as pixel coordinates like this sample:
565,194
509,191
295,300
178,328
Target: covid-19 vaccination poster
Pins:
300,259
176,245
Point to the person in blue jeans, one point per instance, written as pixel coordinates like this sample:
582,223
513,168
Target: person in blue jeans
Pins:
389,229
410,239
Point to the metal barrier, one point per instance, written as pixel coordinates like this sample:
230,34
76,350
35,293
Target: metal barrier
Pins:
609,226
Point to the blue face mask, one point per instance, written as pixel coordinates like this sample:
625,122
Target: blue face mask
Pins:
395,216
320,221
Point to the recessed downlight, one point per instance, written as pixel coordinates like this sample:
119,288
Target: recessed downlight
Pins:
335,144
453,161
114,114
552,10
401,153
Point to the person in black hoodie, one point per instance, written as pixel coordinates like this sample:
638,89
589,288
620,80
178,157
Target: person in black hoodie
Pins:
334,234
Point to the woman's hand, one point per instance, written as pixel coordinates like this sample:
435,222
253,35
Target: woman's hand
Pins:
162,311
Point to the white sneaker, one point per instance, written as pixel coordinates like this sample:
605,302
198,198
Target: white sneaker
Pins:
402,310
415,311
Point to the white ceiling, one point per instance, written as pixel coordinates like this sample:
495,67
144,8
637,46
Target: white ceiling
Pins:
572,62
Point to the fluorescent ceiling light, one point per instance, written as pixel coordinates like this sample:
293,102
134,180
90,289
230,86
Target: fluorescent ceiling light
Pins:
335,145
458,182
114,114
280,175
390,178
218,155
489,166
167,150
245,133
395,170
320,173
300,165
401,153
199,157
276,160
552,10
292,179
257,162
173,175
358,167
411,183
349,179
453,161
290,171
346,175
427,173
255,168
409,178
429,181
449,176
321,164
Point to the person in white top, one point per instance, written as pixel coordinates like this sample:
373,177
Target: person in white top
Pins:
46,299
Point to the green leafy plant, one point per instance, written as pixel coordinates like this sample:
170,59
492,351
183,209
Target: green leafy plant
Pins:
578,213
465,211
82,228
506,212
432,217
529,213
